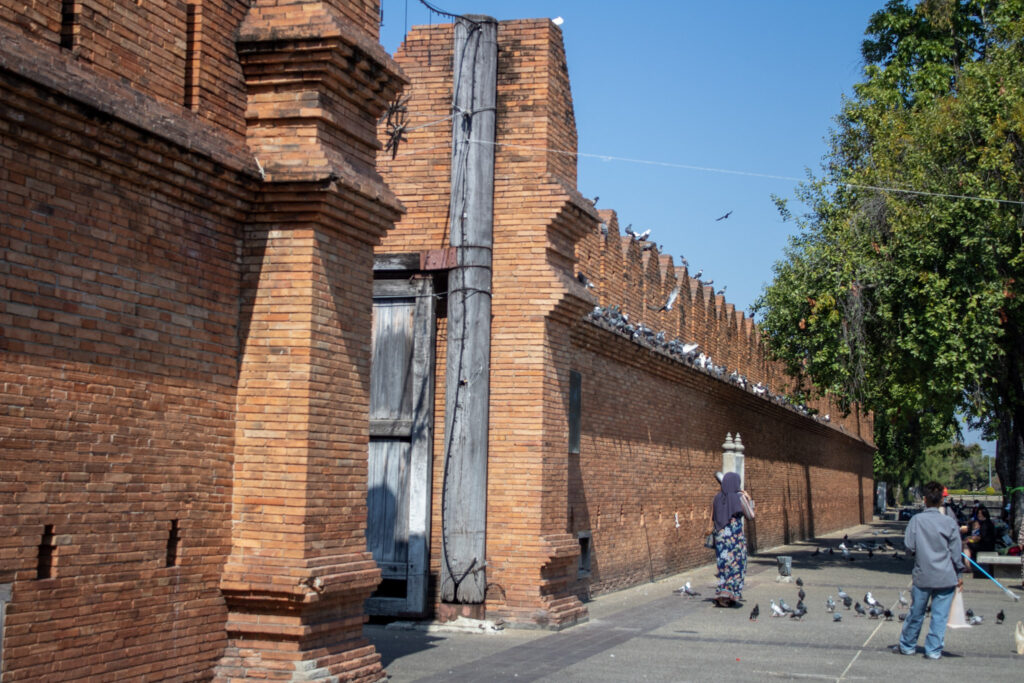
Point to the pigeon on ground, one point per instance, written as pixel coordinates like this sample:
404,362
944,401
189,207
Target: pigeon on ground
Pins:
859,610
687,589
799,582
841,593
847,602
800,594
874,612
870,599
969,613
887,613
776,610
837,617
975,620
784,606
754,613
1000,617
830,605
799,612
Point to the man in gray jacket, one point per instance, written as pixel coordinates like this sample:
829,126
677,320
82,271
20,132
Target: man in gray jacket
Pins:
934,539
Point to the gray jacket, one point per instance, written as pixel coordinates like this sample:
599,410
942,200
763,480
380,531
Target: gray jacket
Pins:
934,539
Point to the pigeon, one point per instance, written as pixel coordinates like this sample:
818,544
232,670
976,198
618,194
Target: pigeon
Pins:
724,216
874,612
837,617
903,616
859,610
669,303
721,292
687,589
841,593
800,594
842,545
785,607
969,613
1000,617
830,605
847,601
870,599
594,201
584,280
887,613
1018,637
817,551
799,612
755,612
799,582
975,620
904,603
776,610
644,235
698,274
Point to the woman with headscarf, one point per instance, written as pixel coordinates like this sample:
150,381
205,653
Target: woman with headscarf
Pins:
730,543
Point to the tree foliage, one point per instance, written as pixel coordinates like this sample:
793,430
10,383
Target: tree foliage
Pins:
902,288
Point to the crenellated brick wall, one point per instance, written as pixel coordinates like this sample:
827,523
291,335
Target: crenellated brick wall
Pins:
652,426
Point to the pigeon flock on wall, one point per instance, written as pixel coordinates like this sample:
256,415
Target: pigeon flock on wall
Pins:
613,319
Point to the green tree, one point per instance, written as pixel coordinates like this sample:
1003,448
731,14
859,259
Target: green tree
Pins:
902,288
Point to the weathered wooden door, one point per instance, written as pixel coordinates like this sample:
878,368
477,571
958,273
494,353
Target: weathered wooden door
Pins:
401,427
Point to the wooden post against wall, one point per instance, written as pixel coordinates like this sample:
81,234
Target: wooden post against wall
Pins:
467,388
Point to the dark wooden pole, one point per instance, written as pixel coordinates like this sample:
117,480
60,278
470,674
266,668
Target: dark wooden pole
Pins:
467,388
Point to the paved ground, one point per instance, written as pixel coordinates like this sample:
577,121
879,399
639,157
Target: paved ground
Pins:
647,633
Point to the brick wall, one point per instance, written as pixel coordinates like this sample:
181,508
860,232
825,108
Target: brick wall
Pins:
652,427
119,340
184,337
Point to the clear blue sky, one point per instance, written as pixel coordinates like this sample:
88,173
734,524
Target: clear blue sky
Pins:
744,86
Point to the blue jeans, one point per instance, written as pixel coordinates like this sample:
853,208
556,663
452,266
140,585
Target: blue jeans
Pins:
941,598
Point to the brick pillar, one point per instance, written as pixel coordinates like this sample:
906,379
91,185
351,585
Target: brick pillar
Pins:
299,571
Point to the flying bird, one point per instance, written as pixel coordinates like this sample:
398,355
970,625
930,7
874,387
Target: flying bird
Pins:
724,216
755,612
669,303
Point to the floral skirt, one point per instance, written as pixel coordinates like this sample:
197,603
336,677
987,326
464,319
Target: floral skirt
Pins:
731,552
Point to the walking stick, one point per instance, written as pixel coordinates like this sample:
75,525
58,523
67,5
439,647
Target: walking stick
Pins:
1005,589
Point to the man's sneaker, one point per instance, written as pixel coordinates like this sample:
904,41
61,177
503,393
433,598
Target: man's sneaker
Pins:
897,650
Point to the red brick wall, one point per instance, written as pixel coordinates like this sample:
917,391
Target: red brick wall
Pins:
135,260
652,429
119,341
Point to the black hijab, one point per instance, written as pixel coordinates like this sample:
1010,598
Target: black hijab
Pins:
727,502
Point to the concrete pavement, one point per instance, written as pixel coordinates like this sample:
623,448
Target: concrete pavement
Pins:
647,633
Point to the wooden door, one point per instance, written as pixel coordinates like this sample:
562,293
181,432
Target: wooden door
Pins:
401,428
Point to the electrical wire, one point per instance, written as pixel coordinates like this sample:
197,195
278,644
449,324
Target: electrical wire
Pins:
726,171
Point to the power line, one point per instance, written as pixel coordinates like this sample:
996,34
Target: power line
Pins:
728,171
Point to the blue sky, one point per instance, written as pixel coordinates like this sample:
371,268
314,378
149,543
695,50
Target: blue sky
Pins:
745,87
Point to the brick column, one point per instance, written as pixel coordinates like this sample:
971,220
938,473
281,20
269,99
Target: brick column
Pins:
299,571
